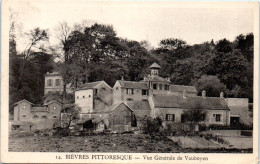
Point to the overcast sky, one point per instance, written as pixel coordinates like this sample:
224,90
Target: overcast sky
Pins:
151,21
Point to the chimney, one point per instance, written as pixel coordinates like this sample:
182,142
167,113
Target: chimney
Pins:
184,94
221,95
122,78
204,94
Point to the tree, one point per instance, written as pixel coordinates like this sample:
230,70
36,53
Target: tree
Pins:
152,126
194,115
211,84
71,113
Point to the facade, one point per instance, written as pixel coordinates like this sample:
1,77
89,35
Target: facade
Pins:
128,91
239,111
54,84
28,116
170,108
93,97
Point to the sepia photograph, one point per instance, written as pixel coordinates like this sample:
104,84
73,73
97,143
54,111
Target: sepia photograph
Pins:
130,77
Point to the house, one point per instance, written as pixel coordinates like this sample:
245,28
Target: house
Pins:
118,118
28,116
93,97
239,111
54,84
170,108
128,91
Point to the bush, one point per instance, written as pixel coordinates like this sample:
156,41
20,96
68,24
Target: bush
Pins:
152,126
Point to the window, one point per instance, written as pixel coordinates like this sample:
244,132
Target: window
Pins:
54,108
182,119
144,100
83,97
77,97
54,116
57,82
129,91
24,115
95,91
170,117
154,86
45,117
160,86
166,87
49,82
129,99
218,117
116,88
35,116
89,95
144,92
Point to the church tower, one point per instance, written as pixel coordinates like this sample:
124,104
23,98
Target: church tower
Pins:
154,69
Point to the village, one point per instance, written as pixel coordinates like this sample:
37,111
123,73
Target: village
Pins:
137,107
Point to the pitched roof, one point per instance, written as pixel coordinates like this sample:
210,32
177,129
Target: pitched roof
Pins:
90,85
52,101
156,78
23,101
155,65
39,109
114,106
139,105
133,84
180,88
172,101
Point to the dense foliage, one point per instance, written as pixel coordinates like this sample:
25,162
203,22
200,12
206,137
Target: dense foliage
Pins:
97,53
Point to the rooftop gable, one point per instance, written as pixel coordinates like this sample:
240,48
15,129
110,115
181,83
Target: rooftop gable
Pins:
23,101
172,101
181,88
133,84
155,65
92,85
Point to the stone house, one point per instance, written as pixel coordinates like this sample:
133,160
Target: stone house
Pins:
28,116
170,108
239,111
128,91
54,84
93,97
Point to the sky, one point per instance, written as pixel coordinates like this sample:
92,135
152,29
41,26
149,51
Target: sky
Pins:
151,21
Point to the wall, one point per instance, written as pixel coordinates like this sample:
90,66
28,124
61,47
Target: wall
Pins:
54,87
117,93
122,115
224,119
26,111
104,92
239,107
137,96
84,99
55,112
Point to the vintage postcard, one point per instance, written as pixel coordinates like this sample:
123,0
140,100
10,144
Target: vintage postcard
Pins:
129,82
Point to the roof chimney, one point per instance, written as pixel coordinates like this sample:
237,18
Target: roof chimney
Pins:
221,95
184,94
204,94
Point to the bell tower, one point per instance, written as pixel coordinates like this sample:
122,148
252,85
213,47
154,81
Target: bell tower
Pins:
154,69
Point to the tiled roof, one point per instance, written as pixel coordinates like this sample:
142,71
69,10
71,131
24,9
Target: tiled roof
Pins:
139,105
156,78
23,101
180,88
89,85
39,109
133,84
114,106
171,101
155,65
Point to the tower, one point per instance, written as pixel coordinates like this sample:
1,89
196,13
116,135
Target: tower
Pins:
154,69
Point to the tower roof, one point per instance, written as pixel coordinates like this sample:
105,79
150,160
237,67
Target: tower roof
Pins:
155,65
